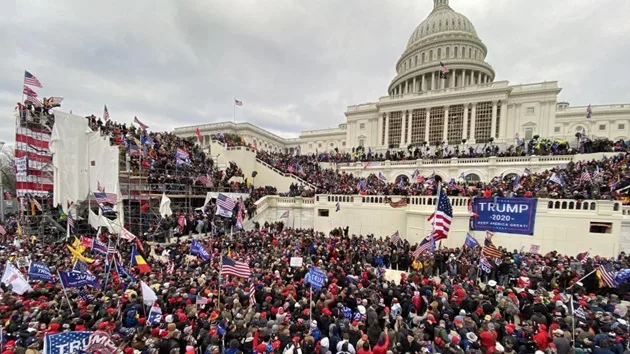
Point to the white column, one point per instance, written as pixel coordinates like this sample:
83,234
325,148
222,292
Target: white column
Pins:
464,77
503,121
403,132
410,120
424,82
379,129
426,126
445,130
479,79
453,78
387,129
414,88
465,123
493,126
473,117
433,80
406,86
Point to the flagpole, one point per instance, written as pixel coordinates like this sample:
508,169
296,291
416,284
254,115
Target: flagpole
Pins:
65,293
219,281
109,263
573,322
234,111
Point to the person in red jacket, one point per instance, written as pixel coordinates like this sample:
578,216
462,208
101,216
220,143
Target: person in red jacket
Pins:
383,343
541,338
487,338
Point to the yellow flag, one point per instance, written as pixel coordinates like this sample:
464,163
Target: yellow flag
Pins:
77,255
19,230
229,252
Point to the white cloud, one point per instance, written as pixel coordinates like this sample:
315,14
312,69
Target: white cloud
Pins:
296,64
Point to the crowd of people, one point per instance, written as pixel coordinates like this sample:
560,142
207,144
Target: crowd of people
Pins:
597,179
439,304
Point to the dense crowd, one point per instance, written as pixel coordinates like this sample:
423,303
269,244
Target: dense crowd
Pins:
597,179
439,305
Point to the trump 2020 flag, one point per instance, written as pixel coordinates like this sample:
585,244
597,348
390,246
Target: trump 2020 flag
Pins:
78,280
197,249
122,272
79,342
40,271
155,315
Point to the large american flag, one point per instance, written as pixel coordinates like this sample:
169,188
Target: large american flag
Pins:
235,268
105,198
142,125
585,177
442,217
443,68
489,249
606,276
252,294
225,202
29,91
106,113
238,103
30,79
427,244
395,238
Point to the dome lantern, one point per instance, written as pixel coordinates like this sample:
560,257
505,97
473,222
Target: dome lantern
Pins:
439,3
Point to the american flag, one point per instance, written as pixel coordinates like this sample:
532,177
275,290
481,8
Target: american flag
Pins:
85,296
238,103
34,101
583,257
252,294
395,238
127,235
489,249
30,79
443,68
70,222
607,277
585,177
427,244
170,268
235,268
442,217
225,202
29,91
106,113
105,198
142,125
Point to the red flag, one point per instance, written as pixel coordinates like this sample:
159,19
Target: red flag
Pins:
199,136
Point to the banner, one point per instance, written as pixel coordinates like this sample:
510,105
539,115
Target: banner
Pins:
508,215
40,271
197,249
21,164
79,342
78,280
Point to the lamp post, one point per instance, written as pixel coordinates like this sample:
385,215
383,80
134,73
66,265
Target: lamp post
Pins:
2,201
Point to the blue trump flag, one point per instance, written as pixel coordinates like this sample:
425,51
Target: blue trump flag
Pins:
40,271
77,280
123,272
471,242
507,215
68,342
197,249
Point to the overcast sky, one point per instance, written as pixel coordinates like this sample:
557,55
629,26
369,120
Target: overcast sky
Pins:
296,65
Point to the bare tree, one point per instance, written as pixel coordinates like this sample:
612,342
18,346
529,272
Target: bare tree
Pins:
7,168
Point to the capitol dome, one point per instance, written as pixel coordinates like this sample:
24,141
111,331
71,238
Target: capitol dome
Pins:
446,37
442,19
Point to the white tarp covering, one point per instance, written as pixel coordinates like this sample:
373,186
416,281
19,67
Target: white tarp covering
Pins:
68,143
233,196
81,160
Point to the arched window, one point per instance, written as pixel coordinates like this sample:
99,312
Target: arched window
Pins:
472,178
448,52
416,61
470,52
455,50
423,58
463,52
404,178
439,53
431,55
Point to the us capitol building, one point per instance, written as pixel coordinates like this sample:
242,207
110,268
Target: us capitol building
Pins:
424,106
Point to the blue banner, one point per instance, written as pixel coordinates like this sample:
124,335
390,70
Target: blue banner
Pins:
508,215
317,278
78,280
40,271
79,342
197,249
